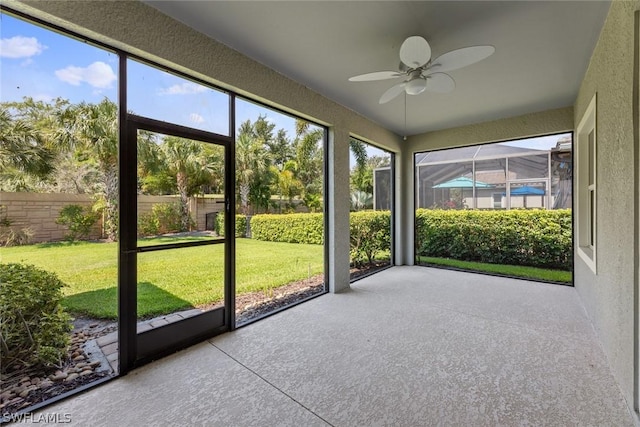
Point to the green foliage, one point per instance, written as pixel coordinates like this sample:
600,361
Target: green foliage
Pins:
361,200
538,238
34,326
164,218
313,202
241,225
78,220
370,233
290,228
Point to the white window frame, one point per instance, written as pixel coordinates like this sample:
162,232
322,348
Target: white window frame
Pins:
587,201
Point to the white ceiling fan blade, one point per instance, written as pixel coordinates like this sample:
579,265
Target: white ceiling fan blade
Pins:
392,92
378,75
415,52
440,83
461,58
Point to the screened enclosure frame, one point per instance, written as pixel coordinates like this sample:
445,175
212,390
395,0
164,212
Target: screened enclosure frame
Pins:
128,356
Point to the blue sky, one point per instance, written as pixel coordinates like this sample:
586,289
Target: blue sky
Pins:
43,64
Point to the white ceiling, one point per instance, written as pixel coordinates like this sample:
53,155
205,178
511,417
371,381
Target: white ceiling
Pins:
542,51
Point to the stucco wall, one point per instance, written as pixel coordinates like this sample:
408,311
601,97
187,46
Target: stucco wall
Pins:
609,295
528,125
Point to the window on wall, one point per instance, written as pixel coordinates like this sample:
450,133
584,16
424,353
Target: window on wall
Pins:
586,183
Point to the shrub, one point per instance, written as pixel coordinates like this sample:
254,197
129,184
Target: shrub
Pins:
290,228
78,220
10,235
164,218
34,326
241,225
370,233
15,237
538,238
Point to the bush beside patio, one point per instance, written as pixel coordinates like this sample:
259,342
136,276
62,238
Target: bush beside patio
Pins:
536,238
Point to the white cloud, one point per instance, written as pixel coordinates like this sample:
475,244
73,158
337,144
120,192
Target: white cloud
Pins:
183,89
98,75
196,118
20,47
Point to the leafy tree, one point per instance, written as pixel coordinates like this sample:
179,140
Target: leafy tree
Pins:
281,150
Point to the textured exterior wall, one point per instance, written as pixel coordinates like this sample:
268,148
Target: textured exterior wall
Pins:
609,295
529,125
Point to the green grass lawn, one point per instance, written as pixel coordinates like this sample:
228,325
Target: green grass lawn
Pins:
509,270
167,280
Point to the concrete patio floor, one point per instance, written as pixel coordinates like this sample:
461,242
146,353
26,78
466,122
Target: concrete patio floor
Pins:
410,346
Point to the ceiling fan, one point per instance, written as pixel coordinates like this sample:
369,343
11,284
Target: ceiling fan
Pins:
421,72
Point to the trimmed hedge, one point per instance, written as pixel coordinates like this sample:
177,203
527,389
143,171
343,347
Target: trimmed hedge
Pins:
290,228
241,225
537,238
370,233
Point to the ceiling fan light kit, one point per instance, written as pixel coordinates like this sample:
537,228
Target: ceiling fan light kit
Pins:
416,86
421,72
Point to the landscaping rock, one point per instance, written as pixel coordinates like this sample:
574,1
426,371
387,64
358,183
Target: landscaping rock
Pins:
59,377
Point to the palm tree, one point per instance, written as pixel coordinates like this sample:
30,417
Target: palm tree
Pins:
94,128
193,166
251,163
23,152
359,170
308,157
288,184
